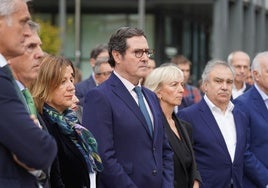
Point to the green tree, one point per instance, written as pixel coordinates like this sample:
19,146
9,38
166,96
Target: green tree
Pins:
49,35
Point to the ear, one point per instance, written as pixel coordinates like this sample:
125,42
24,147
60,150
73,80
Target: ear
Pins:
256,75
204,86
158,94
117,56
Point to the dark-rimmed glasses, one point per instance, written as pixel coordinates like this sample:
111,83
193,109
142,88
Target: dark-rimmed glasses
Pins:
139,52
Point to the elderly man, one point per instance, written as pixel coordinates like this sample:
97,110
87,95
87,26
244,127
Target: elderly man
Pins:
23,145
255,105
219,129
241,64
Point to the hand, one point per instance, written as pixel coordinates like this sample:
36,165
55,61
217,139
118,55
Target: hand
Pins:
33,117
196,184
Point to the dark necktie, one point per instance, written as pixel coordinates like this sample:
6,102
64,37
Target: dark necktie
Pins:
143,109
30,102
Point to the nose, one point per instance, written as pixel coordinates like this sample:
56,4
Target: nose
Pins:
70,86
39,54
224,86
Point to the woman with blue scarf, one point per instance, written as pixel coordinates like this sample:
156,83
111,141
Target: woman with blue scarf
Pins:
77,161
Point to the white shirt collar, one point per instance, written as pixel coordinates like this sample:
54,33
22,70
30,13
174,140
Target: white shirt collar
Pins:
213,107
126,83
3,61
263,95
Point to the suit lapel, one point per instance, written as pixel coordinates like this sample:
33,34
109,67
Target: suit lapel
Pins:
239,134
258,104
121,91
211,123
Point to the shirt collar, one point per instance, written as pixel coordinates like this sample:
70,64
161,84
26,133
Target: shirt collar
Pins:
213,107
263,95
242,89
3,61
126,83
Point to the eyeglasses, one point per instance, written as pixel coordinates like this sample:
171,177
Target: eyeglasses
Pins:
107,73
139,52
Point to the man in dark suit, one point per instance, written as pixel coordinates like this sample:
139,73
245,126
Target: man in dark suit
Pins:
255,104
25,69
24,147
219,129
240,61
81,88
132,145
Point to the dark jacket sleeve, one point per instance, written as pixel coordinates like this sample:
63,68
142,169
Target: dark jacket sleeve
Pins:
19,134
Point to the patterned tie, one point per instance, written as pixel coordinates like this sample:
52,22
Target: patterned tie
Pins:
143,108
30,102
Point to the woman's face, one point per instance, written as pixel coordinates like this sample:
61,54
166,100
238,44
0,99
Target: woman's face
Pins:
171,92
62,97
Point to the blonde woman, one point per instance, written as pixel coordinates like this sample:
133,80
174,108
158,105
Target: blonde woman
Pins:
53,91
167,82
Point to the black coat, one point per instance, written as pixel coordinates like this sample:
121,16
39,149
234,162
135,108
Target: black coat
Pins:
69,168
182,177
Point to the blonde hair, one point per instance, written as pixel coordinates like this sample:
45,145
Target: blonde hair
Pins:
49,78
163,74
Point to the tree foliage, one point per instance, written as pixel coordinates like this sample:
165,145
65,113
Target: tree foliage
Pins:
50,37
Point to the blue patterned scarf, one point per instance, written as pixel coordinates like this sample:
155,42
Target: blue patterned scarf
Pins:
81,137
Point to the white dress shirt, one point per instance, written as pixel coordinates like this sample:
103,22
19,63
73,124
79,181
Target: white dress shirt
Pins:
225,121
237,92
3,61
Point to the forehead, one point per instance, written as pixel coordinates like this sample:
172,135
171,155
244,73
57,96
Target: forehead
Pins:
137,42
220,71
184,66
34,38
21,10
240,58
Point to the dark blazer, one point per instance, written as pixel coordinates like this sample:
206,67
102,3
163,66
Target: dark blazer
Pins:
21,136
212,156
83,87
182,177
131,157
256,156
69,169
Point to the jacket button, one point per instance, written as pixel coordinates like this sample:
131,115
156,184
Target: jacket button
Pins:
154,172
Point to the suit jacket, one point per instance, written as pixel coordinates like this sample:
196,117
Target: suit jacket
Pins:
256,156
131,157
182,177
20,136
212,156
83,87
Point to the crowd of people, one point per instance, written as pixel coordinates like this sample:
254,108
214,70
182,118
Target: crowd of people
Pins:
130,124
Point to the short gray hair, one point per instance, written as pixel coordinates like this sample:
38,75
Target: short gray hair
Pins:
163,74
257,61
211,65
7,7
99,62
34,26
